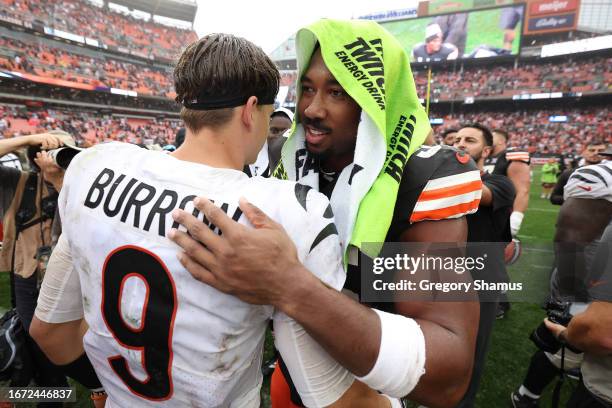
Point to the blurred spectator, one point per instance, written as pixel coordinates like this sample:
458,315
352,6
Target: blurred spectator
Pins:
448,136
548,178
280,121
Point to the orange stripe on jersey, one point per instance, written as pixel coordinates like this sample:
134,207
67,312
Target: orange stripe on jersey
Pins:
445,192
517,156
513,156
454,211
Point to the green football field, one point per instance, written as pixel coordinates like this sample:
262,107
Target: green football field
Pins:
510,349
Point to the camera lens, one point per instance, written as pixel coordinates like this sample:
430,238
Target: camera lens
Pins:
544,339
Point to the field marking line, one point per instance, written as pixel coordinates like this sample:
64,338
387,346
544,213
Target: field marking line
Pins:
537,250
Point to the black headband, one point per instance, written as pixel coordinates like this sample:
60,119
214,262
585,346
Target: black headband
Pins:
220,102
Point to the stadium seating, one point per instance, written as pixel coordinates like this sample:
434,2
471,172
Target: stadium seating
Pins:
46,62
502,81
582,75
80,71
110,28
88,127
532,130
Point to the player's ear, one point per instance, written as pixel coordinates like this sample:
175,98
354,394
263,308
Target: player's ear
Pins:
248,112
486,152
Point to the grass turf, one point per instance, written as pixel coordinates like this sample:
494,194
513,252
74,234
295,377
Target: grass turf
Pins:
510,349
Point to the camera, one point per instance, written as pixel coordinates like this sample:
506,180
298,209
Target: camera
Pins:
64,155
557,312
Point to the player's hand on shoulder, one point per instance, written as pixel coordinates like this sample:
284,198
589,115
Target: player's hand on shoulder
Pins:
255,264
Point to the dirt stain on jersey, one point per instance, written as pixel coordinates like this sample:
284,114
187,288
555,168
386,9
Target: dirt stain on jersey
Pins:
224,368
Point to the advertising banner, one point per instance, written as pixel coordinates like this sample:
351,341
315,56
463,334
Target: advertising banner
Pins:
551,23
550,16
537,8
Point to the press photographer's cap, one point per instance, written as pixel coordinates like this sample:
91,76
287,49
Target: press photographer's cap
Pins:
66,138
63,155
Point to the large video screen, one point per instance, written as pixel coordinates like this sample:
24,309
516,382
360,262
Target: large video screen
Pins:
474,34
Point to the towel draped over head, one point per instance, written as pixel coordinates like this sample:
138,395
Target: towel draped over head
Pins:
372,67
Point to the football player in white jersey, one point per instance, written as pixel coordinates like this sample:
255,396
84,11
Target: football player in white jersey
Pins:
156,336
423,350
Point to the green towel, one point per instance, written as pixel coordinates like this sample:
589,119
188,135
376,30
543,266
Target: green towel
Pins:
374,70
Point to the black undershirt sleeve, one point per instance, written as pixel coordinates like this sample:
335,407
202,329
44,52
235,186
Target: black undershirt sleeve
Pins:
556,196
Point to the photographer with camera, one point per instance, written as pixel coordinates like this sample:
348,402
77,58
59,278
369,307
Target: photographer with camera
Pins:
581,251
28,204
591,332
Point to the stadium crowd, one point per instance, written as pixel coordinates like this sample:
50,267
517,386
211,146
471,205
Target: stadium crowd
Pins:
43,61
533,131
530,130
81,17
88,127
580,75
479,81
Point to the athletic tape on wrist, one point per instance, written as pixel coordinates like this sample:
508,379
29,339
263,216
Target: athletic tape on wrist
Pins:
401,357
516,219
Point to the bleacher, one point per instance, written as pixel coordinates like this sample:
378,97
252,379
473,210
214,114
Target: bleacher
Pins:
111,30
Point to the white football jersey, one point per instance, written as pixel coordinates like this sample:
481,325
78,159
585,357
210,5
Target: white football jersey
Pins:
591,182
155,333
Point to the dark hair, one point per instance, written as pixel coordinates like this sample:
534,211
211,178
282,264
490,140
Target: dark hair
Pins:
180,137
280,113
596,143
447,131
221,66
503,133
486,133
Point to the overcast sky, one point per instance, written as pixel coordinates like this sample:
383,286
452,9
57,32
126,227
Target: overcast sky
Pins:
268,23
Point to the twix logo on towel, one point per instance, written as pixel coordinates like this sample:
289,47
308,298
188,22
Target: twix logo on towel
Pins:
364,60
399,145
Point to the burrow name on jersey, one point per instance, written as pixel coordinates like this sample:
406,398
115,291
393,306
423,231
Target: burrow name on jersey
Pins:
158,205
